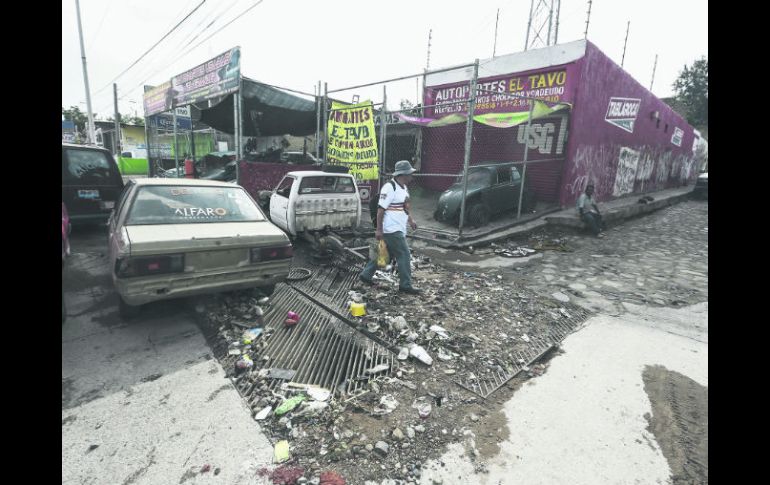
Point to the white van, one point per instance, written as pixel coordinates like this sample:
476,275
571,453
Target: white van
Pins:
308,201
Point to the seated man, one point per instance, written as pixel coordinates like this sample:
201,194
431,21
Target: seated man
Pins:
588,211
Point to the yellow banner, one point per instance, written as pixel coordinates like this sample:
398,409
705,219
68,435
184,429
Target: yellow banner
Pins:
351,139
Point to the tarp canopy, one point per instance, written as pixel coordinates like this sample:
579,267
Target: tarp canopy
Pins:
267,111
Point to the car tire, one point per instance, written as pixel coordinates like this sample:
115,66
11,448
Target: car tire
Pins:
478,215
528,202
127,312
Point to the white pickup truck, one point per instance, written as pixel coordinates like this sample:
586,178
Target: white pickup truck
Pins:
308,201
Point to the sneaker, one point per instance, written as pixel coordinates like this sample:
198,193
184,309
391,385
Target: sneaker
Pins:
366,281
410,291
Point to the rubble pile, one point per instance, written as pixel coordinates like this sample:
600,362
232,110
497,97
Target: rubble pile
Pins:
463,327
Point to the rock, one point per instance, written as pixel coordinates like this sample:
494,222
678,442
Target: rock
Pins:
474,418
382,448
369,447
403,354
398,434
410,432
419,428
399,323
449,372
375,387
560,296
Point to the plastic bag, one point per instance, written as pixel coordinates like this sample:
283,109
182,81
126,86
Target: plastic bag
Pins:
383,258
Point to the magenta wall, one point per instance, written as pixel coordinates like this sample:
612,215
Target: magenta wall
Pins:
256,176
595,145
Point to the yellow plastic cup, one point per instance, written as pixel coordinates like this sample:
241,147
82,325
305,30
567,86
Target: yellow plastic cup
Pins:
357,309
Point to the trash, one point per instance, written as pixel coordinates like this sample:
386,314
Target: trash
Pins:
263,413
291,319
377,369
474,418
234,348
331,478
312,408
382,448
525,338
357,309
264,300
410,432
399,323
412,336
443,356
289,404
281,451
259,311
319,393
560,296
356,297
403,354
450,372
419,428
285,374
388,403
420,354
244,363
424,409
398,434
440,331
383,258
251,334
372,327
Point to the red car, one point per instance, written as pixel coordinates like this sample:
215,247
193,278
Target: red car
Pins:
65,251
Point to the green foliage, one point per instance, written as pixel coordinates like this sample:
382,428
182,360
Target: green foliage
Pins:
692,91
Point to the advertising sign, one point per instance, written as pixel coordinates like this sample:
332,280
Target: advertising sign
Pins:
216,77
622,112
352,140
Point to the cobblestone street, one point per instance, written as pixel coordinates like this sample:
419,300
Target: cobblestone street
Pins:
657,260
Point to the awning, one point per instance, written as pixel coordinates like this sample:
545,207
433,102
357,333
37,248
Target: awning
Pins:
267,111
497,120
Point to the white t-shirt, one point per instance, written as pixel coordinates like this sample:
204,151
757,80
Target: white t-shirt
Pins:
392,201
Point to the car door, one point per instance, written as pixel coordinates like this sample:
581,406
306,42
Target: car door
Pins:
498,195
279,203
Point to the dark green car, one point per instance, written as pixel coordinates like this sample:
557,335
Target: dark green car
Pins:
492,189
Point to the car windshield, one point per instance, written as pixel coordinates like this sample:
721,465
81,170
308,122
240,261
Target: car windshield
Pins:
326,185
184,204
476,179
88,166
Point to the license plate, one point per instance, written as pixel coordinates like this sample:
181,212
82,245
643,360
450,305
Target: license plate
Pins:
88,194
107,204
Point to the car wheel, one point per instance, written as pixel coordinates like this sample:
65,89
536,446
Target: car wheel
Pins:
478,215
127,311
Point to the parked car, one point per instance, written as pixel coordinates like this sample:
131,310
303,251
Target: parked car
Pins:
186,237
701,190
299,158
492,188
66,228
91,183
173,173
313,201
225,173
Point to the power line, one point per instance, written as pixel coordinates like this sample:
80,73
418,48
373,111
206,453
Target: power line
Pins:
151,48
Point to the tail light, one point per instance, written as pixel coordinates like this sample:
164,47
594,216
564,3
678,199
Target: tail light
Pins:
148,266
259,255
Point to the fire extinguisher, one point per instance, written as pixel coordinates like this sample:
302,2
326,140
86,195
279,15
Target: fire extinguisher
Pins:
189,168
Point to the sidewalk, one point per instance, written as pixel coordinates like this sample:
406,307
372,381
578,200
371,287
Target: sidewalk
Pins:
612,212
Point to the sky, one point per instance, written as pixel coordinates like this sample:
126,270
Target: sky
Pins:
296,43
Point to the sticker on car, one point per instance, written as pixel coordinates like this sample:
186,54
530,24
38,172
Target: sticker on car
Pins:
88,194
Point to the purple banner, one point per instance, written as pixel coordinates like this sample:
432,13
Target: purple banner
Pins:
214,78
158,99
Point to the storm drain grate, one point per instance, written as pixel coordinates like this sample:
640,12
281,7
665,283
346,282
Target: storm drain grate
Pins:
483,381
322,350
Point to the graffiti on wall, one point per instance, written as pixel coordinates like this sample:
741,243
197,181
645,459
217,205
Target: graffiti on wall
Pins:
592,164
628,160
541,137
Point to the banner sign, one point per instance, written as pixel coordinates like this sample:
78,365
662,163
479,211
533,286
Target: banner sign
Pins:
352,140
166,122
216,77
157,99
622,112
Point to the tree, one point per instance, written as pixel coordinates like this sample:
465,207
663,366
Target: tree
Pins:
692,91
78,117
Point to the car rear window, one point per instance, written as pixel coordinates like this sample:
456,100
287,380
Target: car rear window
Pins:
86,166
184,204
326,185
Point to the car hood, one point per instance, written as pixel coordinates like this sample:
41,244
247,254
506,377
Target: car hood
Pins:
452,197
169,238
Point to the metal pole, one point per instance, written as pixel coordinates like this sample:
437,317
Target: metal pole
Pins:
326,120
235,136
526,150
588,19
497,18
625,43
176,144
529,24
192,133
147,146
318,122
381,174
117,121
91,128
468,138
653,71
550,24
558,12
384,127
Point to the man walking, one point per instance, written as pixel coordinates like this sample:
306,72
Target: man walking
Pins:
392,218
589,212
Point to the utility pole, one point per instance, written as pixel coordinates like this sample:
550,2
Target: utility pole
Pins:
494,49
623,59
653,71
117,121
430,35
588,19
91,129
558,13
